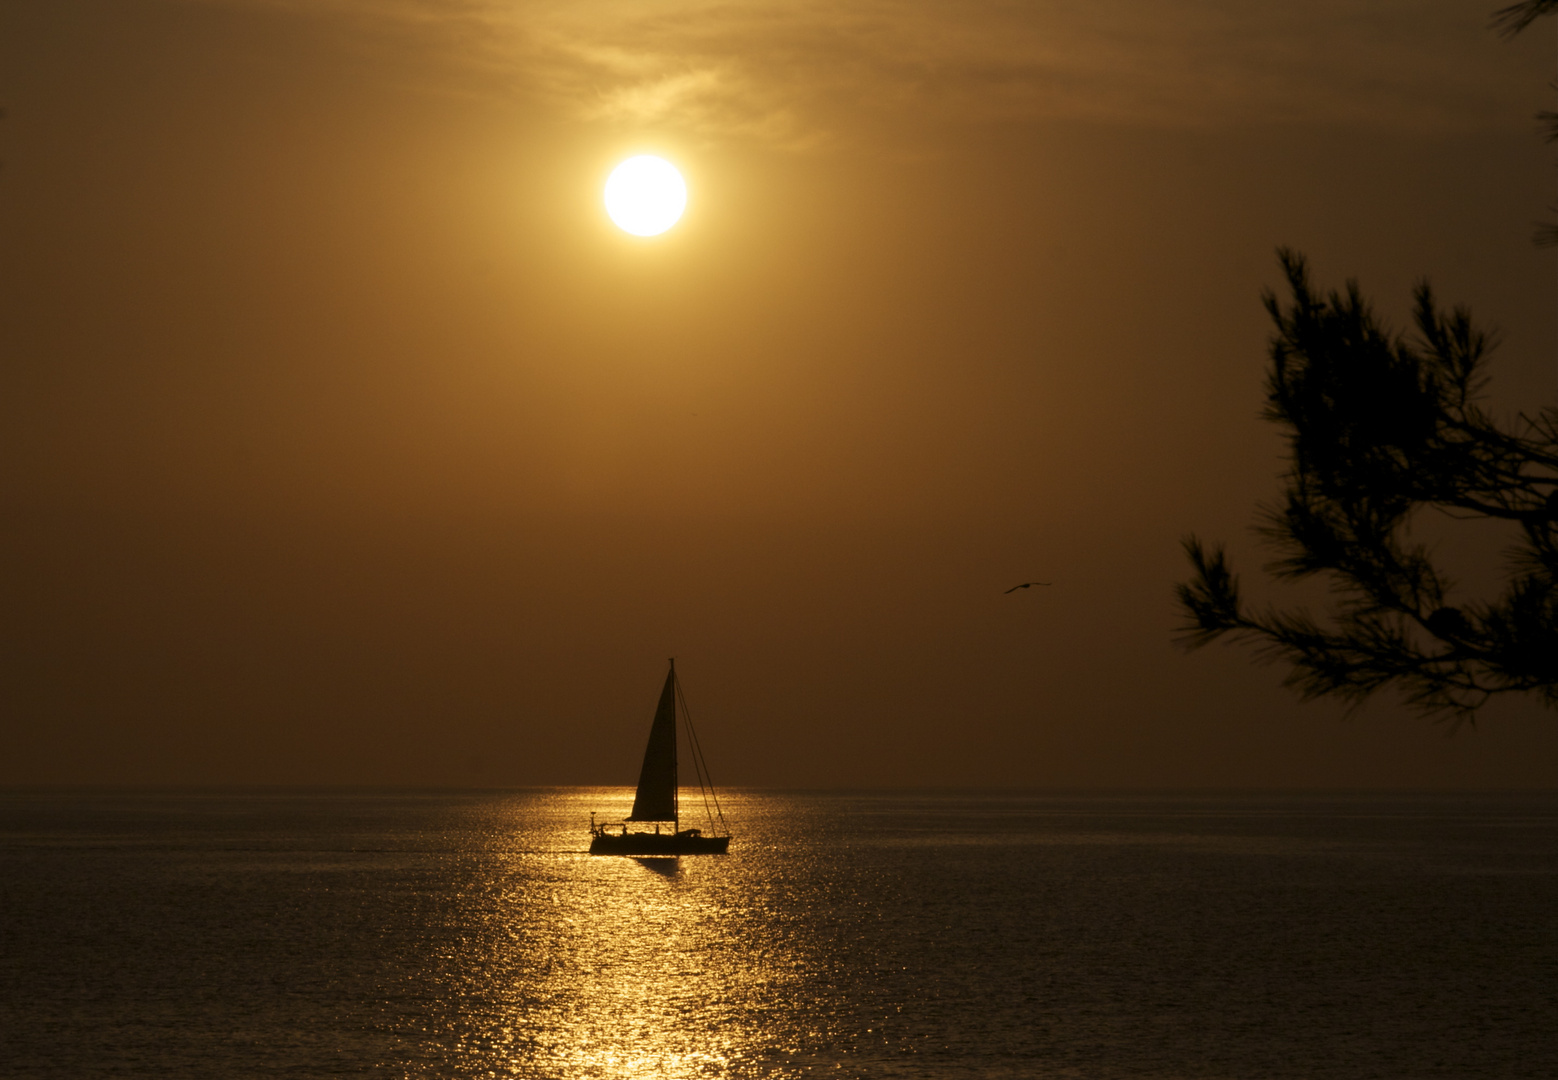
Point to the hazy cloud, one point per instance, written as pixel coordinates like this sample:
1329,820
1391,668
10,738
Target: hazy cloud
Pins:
798,72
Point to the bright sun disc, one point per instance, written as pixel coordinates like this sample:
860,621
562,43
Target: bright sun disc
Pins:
645,195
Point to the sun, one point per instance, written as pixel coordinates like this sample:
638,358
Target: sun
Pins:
645,195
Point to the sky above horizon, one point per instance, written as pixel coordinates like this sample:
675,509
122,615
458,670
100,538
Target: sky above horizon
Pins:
344,440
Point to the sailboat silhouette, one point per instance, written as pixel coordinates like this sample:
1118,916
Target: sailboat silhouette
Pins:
657,800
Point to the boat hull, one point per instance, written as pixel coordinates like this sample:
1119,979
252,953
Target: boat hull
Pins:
658,844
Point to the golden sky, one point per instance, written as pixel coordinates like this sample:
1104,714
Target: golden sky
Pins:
344,440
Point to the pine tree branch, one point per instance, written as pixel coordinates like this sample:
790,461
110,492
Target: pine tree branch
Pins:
1381,429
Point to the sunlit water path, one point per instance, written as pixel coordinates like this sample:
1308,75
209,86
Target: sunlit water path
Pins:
469,935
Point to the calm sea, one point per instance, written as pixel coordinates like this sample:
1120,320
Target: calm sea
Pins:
846,935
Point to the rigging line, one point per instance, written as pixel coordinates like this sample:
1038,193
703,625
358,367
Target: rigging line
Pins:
713,791
700,764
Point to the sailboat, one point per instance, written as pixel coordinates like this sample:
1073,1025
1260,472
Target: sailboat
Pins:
658,799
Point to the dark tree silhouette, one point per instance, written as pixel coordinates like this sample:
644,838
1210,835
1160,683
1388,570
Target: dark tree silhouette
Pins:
1510,21
1382,427
1516,17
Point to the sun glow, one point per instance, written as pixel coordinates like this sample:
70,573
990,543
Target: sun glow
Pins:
645,195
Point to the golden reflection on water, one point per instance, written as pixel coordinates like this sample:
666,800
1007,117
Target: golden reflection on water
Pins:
609,966
650,974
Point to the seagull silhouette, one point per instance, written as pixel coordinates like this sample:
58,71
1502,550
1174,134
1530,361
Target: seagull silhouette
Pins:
1024,585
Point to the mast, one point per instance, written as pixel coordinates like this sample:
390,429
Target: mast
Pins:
676,781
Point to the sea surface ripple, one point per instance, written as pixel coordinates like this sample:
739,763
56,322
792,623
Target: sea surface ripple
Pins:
469,934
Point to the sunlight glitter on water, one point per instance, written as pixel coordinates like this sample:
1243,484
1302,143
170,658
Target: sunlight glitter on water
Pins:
612,966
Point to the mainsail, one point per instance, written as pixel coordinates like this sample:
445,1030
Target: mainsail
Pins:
656,798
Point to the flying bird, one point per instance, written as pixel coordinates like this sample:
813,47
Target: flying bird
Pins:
1024,585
